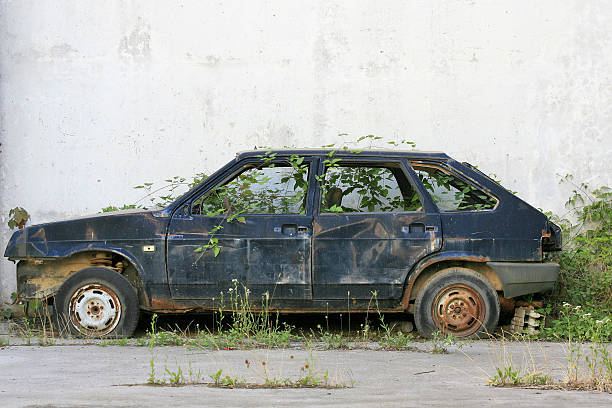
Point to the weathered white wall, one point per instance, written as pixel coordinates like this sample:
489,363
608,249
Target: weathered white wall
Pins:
97,97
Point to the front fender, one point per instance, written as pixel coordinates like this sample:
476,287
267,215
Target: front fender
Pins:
41,278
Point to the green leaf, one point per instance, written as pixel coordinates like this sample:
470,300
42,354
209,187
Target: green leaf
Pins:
217,250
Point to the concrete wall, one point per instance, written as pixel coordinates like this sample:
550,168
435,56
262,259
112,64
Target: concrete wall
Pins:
97,97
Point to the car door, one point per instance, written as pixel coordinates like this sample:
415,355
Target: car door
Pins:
251,230
371,226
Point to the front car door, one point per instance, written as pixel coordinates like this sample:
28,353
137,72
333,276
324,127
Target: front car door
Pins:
251,230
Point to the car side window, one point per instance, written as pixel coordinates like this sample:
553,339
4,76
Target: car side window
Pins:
269,188
367,188
451,193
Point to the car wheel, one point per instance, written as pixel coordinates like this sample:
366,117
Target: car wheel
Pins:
97,302
457,301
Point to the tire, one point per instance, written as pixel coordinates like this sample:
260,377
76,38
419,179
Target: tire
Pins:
457,301
97,302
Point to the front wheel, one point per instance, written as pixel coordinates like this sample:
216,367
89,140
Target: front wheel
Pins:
97,302
457,301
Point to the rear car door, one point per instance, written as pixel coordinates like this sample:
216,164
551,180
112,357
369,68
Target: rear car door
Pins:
371,226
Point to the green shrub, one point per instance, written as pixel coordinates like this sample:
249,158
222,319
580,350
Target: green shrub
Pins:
583,303
578,324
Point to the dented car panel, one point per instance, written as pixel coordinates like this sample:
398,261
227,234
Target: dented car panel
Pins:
376,253
305,262
47,252
500,233
266,253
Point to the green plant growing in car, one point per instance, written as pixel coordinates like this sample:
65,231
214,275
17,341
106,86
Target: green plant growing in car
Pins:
162,200
371,186
256,190
451,193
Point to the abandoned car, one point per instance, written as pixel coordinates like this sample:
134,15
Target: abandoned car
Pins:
310,231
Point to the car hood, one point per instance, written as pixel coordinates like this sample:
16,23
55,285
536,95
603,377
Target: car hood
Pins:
34,241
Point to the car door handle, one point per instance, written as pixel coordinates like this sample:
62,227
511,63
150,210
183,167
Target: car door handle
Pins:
291,229
416,228
419,228
287,229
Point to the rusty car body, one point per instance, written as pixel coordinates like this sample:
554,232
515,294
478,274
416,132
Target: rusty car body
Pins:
312,230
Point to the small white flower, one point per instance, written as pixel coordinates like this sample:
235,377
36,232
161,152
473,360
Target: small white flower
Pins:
234,280
586,314
599,321
230,289
248,291
578,307
566,304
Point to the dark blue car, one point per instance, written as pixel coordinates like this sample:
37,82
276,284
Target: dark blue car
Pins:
315,231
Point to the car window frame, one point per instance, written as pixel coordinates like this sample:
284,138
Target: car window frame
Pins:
380,162
243,166
453,172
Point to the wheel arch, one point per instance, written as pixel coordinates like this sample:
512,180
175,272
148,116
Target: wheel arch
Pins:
41,278
429,266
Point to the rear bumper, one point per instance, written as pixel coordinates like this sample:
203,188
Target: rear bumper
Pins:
520,278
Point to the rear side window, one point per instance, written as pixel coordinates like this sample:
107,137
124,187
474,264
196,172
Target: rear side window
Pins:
451,193
367,188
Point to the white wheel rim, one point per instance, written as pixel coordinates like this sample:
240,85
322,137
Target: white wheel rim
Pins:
95,310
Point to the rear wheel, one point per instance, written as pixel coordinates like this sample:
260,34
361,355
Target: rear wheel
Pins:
457,301
97,302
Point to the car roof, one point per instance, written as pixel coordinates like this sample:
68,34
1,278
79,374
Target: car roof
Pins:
354,152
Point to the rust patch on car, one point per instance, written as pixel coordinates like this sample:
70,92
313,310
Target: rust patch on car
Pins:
40,279
506,305
167,305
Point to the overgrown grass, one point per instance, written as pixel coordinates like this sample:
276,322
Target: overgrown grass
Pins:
586,368
310,375
245,329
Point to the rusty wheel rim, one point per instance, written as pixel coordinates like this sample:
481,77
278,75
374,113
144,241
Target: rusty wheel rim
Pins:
458,309
95,310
